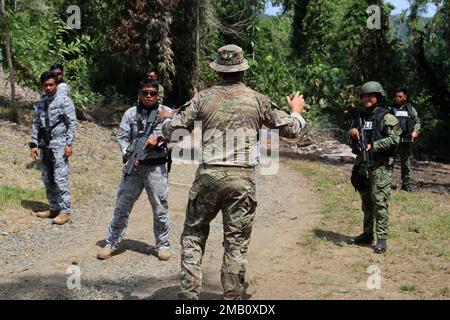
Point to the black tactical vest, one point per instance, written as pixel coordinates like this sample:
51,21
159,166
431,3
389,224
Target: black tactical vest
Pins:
372,125
159,154
405,119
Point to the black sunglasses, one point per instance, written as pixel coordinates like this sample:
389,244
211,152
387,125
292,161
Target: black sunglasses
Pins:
149,92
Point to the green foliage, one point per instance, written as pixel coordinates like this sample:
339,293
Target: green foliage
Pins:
14,195
322,48
408,287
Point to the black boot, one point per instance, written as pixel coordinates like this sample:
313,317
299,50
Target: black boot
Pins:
363,238
407,187
381,246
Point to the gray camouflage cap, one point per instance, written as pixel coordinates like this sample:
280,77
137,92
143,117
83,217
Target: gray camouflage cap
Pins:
231,59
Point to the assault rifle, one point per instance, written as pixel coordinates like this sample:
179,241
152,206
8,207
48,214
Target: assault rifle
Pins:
136,151
360,147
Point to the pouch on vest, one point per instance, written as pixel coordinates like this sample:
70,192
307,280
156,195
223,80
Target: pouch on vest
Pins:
358,181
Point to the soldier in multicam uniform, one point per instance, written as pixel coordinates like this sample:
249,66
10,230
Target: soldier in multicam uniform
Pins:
55,114
149,173
410,123
225,178
383,133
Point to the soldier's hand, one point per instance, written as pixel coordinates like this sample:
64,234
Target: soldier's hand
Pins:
34,154
354,134
414,136
164,114
152,142
68,151
296,102
369,147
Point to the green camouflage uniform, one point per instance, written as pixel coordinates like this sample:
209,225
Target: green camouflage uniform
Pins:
225,178
375,200
405,147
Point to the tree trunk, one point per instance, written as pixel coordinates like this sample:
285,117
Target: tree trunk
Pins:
441,97
441,93
298,40
8,53
197,44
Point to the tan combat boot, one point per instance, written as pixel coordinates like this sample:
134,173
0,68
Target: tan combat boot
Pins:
62,218
164,254
47,214
105,252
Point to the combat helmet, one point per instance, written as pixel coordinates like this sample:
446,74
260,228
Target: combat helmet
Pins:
372,87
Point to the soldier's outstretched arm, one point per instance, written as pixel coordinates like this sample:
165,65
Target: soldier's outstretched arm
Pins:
290,126
184,118
392,131
70,117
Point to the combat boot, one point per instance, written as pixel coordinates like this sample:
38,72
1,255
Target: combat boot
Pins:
381,246
61,219
164,254
47,214
407,187
105,252
363,238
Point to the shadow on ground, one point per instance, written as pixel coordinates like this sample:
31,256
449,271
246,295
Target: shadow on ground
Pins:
337,238
133,245
35,206
55,287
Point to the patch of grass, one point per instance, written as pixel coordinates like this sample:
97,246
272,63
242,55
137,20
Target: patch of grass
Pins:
411,204
340,203
419,225
12,195
416,220
408,287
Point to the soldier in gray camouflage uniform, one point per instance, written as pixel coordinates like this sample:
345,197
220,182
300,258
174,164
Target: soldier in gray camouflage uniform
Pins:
152,74
150,174
63,88
53,130
225,178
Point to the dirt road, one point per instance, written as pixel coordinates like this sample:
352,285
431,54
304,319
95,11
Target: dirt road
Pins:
38,260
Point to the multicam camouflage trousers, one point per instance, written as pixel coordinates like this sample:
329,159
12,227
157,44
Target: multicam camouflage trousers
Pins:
154,179
405,152
58,193
375,201
232,190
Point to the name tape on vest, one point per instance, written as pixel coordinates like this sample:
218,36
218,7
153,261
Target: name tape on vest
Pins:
401,114
368,125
